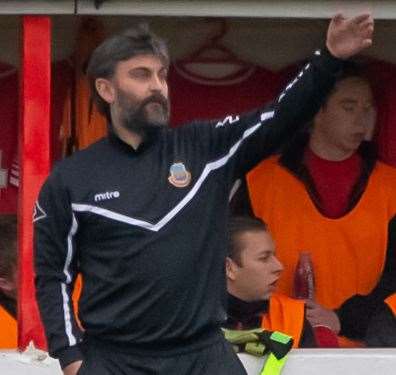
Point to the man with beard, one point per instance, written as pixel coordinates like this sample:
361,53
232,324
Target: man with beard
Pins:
142,214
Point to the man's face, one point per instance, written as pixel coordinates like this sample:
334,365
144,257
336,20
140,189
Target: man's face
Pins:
348,117
141,92
259,270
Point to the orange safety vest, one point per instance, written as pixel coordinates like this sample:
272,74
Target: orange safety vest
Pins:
8,330
348,253
285,315
391,302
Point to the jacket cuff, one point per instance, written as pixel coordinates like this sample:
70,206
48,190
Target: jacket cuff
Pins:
331,63
355,314
69,355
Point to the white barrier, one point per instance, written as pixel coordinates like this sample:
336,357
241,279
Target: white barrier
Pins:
300,362
332,362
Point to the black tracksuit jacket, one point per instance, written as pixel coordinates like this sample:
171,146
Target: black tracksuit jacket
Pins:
151,253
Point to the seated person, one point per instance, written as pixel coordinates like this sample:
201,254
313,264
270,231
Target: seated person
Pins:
8,288
252,271
381,331
327,193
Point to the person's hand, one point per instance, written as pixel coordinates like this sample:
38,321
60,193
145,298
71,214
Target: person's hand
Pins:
73,368
317,315
348,36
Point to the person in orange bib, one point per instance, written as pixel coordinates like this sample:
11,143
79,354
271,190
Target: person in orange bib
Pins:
328,194
252,270
8,322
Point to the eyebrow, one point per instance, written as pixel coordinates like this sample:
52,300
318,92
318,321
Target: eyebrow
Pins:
266,253
139,68
354,101
163,68
348,101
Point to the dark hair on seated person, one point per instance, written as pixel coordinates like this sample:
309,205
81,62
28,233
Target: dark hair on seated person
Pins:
237,226
351,69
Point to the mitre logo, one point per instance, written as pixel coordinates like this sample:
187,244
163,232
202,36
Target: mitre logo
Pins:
106,196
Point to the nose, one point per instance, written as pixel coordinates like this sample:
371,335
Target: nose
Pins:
360,122
369,124
157,84
278,266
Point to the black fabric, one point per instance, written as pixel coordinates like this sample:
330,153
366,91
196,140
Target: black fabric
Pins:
216,359
69,355
381,330
240,204
244,315
9,304
152,251
307,339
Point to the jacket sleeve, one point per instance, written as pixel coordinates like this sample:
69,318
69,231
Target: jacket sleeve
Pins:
381,331
55,267
249,138
356,312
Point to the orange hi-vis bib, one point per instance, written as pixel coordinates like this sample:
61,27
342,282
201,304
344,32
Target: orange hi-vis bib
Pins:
285,315
8,330
391,302
348,253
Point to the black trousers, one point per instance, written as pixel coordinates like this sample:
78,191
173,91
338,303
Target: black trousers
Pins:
216,359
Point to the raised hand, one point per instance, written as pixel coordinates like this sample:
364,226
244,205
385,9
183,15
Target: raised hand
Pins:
348,36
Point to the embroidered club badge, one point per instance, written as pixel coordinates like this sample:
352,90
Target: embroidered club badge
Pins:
179,176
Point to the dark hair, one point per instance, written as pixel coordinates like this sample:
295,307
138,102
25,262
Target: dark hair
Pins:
237,226
8,248
351,69
132,42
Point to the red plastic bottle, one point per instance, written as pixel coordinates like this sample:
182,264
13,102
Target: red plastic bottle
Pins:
304,279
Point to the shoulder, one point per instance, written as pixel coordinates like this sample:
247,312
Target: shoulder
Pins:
193,128
264,169
84,155
385,170
80,161
384,176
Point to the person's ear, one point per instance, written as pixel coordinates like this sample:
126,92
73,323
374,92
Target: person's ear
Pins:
105,89
231,269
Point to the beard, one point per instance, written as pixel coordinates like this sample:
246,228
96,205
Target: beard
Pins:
144,117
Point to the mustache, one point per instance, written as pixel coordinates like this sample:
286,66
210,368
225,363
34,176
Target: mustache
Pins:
155,98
